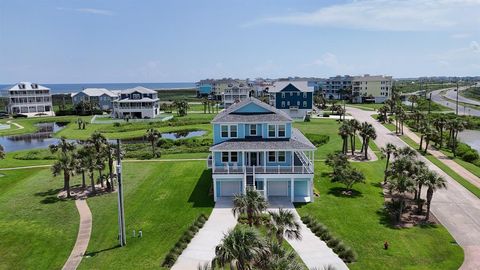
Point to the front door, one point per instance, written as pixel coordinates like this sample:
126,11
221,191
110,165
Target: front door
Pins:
252,159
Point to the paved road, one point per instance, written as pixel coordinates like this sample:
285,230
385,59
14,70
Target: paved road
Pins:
437,98
201,249
314,252
455,207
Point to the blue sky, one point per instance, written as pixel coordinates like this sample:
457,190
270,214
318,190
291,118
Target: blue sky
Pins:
168,41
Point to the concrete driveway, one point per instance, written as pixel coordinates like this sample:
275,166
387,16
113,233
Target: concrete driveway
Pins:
201,249
455,207
314,252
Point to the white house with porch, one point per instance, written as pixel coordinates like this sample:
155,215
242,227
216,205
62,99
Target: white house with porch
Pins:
256,146
138,102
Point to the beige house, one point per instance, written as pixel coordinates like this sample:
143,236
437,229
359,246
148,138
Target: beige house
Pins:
368,88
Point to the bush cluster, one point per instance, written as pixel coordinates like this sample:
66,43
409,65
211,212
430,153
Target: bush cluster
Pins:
467,153
318,139
132,126
322,232
167,146
264,219
35,155
182,243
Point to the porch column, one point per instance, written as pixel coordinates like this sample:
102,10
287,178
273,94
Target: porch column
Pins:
310,185
265,185
214,189
265,161
293,160
243,158
292,190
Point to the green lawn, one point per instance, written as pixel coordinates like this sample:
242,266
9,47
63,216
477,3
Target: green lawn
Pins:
360,223
472,93
29,123
366,106
162,199
12,159
36,230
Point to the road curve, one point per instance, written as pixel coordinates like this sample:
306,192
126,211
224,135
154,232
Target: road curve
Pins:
455,207
437,97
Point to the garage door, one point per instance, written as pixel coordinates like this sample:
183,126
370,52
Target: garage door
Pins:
230,188
277,188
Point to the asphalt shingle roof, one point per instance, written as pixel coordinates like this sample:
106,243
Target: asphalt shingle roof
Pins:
230,116
297,142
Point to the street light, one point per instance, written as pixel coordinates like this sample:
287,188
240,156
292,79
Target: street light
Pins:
456,106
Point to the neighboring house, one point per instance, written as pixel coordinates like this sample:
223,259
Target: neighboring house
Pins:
30,99
138,102
98,97
255,145
336,87
293,97
236,90
373,89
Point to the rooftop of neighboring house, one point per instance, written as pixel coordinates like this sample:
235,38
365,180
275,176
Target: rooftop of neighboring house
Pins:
139,89
301,86
28,86
96,92
368,77
260,113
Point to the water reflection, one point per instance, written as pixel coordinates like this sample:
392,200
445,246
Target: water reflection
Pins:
40,139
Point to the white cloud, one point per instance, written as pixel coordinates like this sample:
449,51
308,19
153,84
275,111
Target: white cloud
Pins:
386,15
330,61
93,11
475,46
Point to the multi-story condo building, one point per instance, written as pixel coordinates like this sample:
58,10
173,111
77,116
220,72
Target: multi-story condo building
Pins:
292,97
255,145
335,87
235,91
205,88
368,88
97,97
30,99
138,102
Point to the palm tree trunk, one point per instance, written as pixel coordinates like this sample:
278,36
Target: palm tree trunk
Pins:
421,142
426,146
386,169
83,179
366,147
67,183
92,182
429,201
441,137
352,145
100,177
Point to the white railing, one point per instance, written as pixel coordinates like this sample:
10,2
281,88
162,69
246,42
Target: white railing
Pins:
228,169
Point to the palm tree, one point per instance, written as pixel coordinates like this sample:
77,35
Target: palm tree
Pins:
99,142
89,162
344,131
367,132
429,135
240,249
278,259
152,136
439,123
283,223
252,204
400,180
80,155
433,182
2,152
353,125
388,150
456,126
111,154
413,99
383,111
66,164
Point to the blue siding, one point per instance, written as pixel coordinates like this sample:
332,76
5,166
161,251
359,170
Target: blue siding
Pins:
293,99
252,107
301,188
205,89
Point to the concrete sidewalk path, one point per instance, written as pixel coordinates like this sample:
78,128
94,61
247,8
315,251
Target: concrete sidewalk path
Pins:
201,249
312,250
83,236
455,207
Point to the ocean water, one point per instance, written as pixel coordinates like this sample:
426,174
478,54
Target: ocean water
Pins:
76,87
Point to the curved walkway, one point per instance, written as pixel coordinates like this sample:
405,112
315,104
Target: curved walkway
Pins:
455,207
314,252
83,236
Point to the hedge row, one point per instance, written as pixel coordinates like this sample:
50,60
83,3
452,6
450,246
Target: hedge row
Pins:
183,242
321,231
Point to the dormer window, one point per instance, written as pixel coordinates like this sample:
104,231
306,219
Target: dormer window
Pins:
281,130
253,130
34,86
224,131
21,86
283,95
271,131
233,131
304,94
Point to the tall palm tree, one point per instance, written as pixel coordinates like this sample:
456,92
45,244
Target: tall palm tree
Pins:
81,168
152,136
89,161
111,155
344,131
429,134
66,164
400,180
367,132
433,182
2,152
383,111
354,126
440,122
456,126
413,99
283,224
99,142
388,150
278,259
240,249
252,204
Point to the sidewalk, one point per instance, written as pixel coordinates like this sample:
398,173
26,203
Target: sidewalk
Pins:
467,175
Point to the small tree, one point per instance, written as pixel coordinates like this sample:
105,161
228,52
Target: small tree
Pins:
388,150
348,176
252,204
2,152
283,224
433,182
65,163
152,136
367,132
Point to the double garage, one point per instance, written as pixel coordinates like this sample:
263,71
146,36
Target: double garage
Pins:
275,187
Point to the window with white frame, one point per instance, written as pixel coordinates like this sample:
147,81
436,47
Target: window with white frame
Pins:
281,130
304,104
298,94
233,131
283,104
224,156
304,94
233,156
298,103
271,131
281,156
291,94
283,95
224,131
288,103
271,156
253,130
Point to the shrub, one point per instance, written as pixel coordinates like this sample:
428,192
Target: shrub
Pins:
470,156
318,139
170,259
333,242
306,220
339,248
116,124
326,236
325,114
348,255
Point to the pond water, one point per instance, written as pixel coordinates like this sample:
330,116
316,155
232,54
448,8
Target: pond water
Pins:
470,137
40,139
44,137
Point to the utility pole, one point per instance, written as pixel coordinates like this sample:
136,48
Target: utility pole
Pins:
456,107
121,213
430,103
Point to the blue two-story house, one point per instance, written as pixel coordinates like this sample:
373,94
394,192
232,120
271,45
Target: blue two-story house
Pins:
293,97
254,144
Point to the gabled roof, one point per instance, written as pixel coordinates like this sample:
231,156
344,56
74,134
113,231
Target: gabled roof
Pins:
297,142
234,115
280,86
139,89
28,86
96,92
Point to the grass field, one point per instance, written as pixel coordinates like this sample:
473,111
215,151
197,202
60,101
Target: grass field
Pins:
162,199
29,123
472,92
36,230
359,221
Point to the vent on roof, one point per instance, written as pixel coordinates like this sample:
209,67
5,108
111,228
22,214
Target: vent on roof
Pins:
34,86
